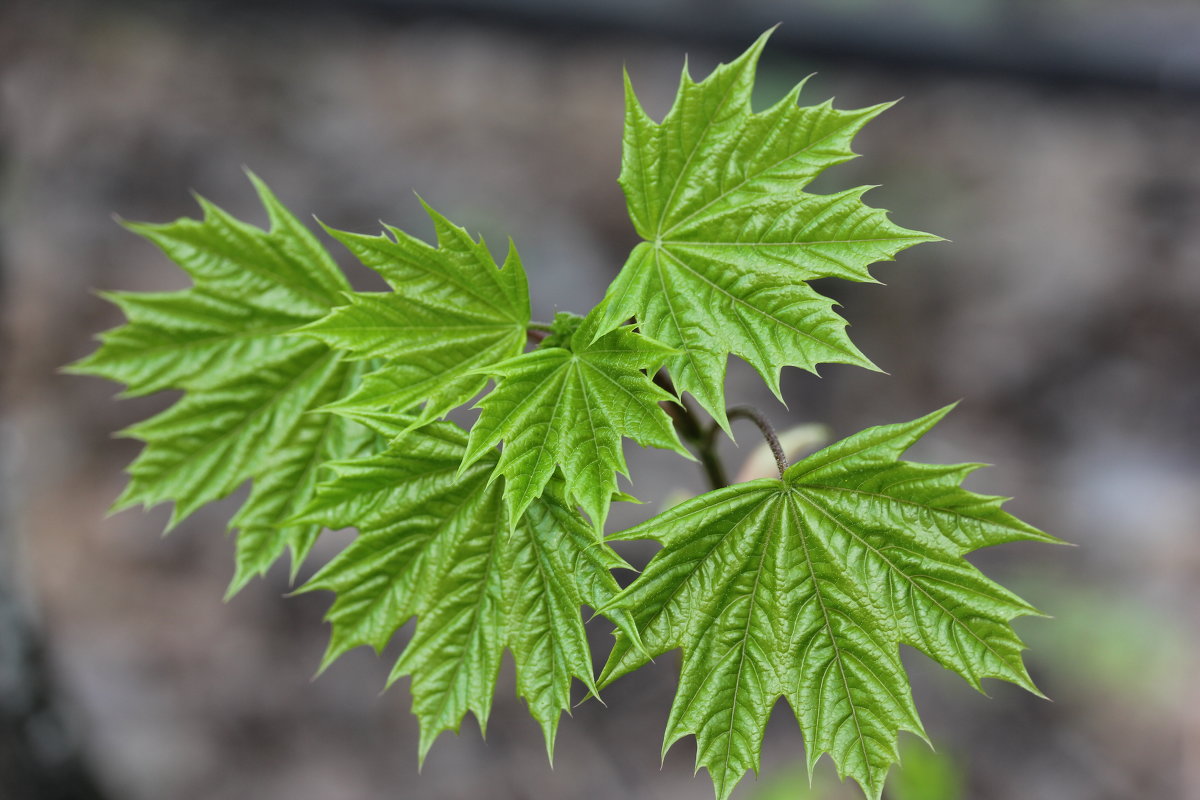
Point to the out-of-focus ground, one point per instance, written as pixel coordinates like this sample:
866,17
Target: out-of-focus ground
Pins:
1065,314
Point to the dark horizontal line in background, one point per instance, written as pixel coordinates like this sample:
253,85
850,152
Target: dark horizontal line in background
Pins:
1078,49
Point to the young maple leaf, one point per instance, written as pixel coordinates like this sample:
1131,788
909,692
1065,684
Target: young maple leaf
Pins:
731,238
249,385
437,545
805,587
451,311
568,403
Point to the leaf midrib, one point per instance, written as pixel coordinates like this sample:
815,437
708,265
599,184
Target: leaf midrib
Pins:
757,175
907,578
234,255
377,244
812,243
708,125
832,638
255,414
734,298
735,527
925,506
762,557
206,340
315,460
477,608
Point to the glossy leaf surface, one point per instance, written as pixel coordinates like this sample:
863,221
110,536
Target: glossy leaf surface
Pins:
805,587
568,404
731,238
451,312
437,545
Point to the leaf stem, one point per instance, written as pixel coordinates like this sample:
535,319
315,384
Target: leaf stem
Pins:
535,332
768,431
704,438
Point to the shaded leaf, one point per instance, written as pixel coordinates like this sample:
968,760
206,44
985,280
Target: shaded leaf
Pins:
437,546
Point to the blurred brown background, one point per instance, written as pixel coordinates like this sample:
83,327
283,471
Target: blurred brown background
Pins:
1056,143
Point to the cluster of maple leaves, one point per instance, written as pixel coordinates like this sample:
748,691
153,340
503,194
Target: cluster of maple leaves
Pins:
329,401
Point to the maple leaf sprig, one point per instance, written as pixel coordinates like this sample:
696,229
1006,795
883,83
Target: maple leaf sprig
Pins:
804,588
731,238
326,399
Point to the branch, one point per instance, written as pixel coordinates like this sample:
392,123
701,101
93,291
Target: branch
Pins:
704,439
687,423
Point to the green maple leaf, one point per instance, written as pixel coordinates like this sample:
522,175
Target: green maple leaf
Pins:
731,238
249,384
452,312
805,587
437,545
568,403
